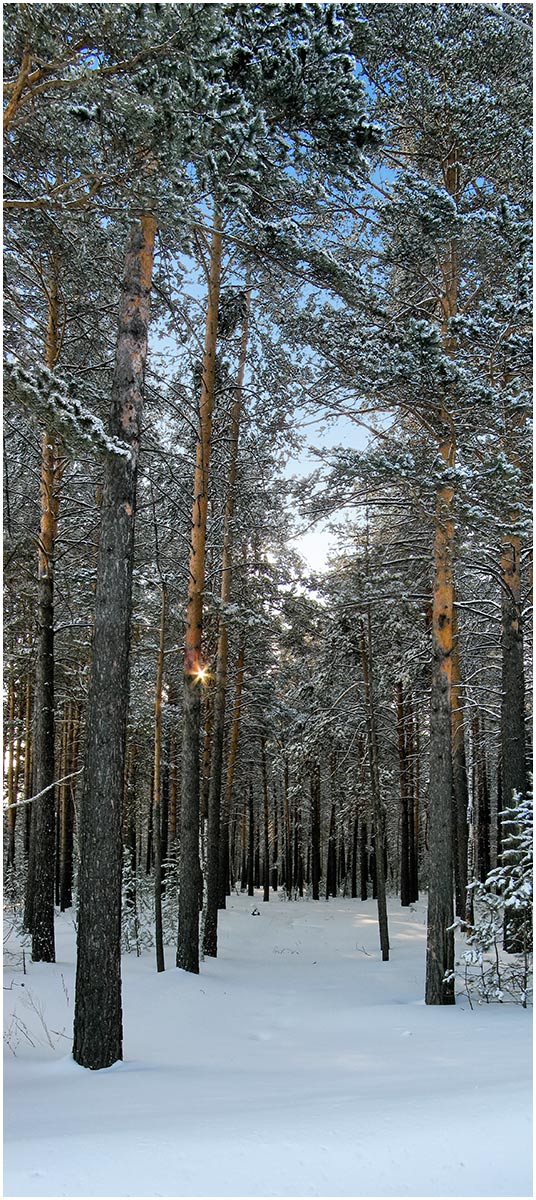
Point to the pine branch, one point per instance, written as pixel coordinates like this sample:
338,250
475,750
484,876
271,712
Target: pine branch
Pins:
49,398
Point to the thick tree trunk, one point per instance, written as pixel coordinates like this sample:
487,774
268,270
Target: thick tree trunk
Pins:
98,1018
440,937
190,882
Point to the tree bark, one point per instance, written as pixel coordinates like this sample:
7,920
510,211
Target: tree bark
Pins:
98,1017
514,774
315,833
10,735
41,867
190,883
157,788
404,798
440,937
372,745
210,928
460,791
266,826
228,795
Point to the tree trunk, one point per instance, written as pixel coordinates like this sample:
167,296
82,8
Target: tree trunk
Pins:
190,883
331,866
28,763
11,799
363,861
404,798
481,803
251,841
210,929
415,790
233,750
459,780
315,833
157,789
98,1018
355,845
266,826
440,937
288,837
514,775
275,853
41,867
366,664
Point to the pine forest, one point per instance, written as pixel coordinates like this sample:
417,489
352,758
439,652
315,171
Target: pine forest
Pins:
267,598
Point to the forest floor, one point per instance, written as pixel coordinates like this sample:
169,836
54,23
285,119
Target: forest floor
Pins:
296,1064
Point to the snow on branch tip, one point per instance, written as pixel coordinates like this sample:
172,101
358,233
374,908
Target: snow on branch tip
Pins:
50,398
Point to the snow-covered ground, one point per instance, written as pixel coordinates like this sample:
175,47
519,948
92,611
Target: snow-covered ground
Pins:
296,1064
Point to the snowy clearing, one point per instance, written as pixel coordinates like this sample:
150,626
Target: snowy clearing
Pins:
297,1064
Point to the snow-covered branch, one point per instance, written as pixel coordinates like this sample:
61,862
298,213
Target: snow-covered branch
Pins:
50,398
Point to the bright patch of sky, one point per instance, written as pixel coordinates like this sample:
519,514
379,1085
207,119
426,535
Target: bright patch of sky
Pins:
317,542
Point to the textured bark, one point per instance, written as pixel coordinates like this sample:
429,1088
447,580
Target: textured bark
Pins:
440,940
98,1017
19,87
190,884
210,927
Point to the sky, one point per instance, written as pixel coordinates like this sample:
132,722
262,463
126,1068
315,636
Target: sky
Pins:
319,541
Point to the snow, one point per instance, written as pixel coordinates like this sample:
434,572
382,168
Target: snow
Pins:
296,1064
